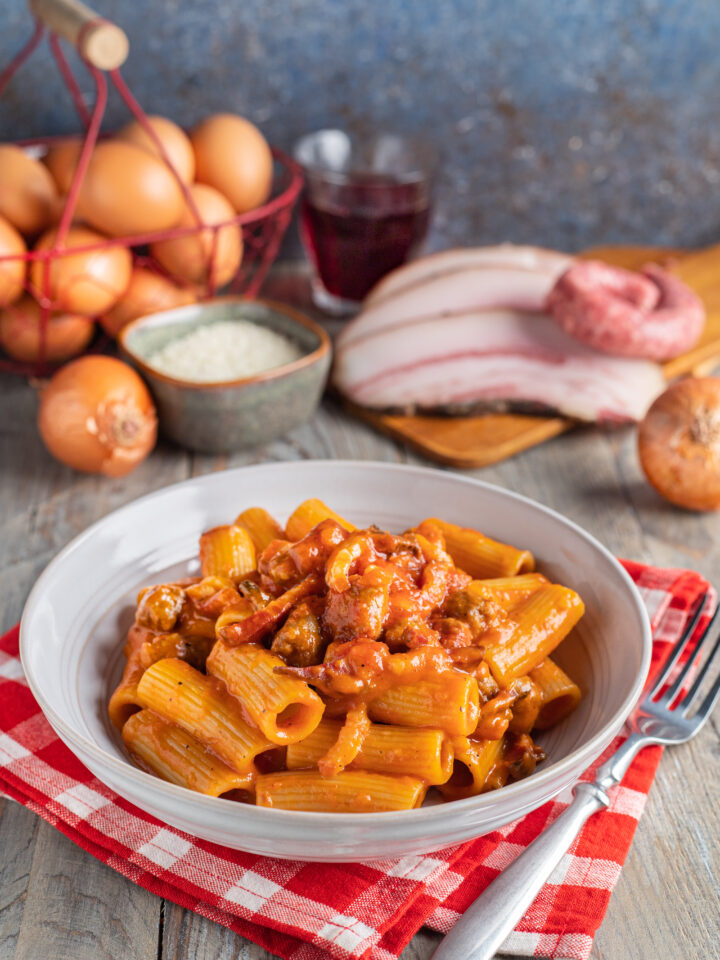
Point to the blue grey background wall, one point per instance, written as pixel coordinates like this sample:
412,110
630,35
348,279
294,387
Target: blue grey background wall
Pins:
561,122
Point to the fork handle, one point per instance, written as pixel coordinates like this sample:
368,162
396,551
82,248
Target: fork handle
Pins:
484,926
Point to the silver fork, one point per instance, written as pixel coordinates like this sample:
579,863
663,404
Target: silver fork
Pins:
484,926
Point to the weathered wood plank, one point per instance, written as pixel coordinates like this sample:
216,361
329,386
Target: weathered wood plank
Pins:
666,898
77,908
187,936
44,504
68,904
18,828
421,946
57,901
674,858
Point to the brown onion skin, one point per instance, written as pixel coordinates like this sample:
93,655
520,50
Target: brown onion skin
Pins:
679,444
96,415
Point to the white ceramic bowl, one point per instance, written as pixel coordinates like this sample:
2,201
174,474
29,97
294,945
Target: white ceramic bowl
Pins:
73,628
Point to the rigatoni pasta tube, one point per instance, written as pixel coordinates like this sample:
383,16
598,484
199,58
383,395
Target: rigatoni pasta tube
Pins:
480,556
425,754
449,703
226,551
308,515
203,708
507,592
262,527
352,791
474,760
157,646
285,708
175,755
559,695
542,621
124,701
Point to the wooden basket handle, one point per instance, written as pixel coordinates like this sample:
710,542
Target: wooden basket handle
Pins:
98,41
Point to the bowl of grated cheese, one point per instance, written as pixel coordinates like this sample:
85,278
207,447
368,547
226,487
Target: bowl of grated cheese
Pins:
230,373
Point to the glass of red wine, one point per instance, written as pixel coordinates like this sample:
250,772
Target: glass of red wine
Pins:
365,210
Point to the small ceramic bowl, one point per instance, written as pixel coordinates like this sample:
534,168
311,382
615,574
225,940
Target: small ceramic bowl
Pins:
231,414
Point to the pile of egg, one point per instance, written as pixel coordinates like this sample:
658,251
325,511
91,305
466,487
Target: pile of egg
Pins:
128,191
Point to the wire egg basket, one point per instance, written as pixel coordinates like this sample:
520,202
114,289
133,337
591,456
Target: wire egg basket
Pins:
103,47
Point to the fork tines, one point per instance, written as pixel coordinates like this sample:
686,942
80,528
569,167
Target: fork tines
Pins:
664,698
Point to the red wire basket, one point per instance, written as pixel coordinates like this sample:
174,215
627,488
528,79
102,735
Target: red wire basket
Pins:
103,47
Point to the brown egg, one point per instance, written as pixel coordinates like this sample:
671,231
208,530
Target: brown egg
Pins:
147,292
233,156
174,140
61,160
66,335
90,283
189,258
12,272
127,191
28,194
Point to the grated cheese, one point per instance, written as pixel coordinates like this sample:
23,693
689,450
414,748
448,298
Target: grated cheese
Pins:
224,351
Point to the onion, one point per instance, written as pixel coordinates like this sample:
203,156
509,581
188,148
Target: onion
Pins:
97,416
66,334
679,443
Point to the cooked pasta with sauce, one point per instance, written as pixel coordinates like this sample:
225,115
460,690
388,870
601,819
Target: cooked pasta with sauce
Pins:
327,668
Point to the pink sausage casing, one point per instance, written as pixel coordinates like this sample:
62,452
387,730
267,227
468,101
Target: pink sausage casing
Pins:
650,314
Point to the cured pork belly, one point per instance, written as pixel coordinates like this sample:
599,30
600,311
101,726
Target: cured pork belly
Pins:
493,358
504,255
467,289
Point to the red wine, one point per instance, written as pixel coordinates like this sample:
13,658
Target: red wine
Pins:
359,231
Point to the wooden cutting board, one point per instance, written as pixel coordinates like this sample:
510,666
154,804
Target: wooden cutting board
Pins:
477,441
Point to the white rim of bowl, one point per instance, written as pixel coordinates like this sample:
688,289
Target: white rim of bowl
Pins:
584,754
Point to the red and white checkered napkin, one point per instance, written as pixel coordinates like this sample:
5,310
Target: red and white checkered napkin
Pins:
310,911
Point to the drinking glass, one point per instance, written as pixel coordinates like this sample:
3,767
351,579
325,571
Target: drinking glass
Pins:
365,210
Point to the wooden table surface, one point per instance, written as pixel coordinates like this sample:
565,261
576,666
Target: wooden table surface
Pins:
57,902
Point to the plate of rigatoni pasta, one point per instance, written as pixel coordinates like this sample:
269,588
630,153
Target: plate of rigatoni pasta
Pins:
335,660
